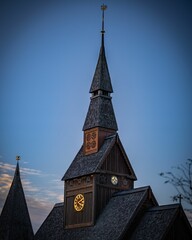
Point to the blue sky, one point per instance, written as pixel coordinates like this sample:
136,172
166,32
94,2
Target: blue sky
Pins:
48,54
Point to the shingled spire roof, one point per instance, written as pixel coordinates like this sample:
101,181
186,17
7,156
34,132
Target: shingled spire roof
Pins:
15,223
101,79
101,113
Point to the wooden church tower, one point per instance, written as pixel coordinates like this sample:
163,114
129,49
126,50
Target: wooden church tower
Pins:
100,201
101,167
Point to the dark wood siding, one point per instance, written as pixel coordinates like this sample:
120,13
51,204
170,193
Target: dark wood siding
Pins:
103,194
82,218
179,230
116,162
73,218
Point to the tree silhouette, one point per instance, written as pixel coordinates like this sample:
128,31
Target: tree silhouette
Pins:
181,179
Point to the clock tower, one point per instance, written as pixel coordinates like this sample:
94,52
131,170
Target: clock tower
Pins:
101,167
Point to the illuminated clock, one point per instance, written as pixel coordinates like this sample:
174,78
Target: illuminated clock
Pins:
114,180
79,202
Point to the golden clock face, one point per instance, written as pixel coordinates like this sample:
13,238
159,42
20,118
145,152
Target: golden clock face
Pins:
79,202
114,180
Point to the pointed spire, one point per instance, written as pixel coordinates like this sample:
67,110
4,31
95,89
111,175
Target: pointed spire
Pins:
100,112
101,79
103,8
15,221
17,172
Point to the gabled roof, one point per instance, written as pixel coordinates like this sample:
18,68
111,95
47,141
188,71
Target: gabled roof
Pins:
15,221
100,114
117,216
89,164
158,221
132,214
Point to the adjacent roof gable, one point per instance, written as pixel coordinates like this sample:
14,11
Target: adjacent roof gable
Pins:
117,161
163,222
121,212
15,221
132,214
88,164
117,216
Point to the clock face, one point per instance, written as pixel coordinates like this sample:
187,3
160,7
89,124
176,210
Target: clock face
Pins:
114,180
79,202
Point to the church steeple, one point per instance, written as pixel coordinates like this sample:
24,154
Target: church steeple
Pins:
100,120
101,167
15,221
101,79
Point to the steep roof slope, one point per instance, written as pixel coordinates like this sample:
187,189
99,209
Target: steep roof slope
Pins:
118,215
101,79
132,214
100,114
164,222
15,223
88,164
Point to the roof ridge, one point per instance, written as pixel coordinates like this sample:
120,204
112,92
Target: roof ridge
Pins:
83,165
59,204
164,207
134,190
108,150
111,136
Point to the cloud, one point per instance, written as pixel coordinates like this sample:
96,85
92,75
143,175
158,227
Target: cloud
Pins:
5,182
4,167
30,171
40,200
38,210
6,178
29,187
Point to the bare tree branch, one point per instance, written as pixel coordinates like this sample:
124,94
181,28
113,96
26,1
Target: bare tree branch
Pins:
181,179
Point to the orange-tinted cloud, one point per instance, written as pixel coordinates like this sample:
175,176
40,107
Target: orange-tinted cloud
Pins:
40,200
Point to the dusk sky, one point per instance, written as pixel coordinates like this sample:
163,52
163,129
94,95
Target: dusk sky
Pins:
48,54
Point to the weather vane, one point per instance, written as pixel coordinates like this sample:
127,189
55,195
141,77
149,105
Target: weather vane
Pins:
103,8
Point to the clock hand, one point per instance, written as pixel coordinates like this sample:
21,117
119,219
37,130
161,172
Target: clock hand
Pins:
81,200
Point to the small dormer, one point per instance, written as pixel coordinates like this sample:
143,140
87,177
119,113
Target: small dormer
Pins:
102,93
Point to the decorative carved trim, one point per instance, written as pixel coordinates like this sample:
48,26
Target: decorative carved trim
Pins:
105,179
91,141
78,183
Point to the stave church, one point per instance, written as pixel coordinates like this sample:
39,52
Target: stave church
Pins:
100,200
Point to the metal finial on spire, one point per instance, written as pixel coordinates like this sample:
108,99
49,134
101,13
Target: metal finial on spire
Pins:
17,173
103,8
